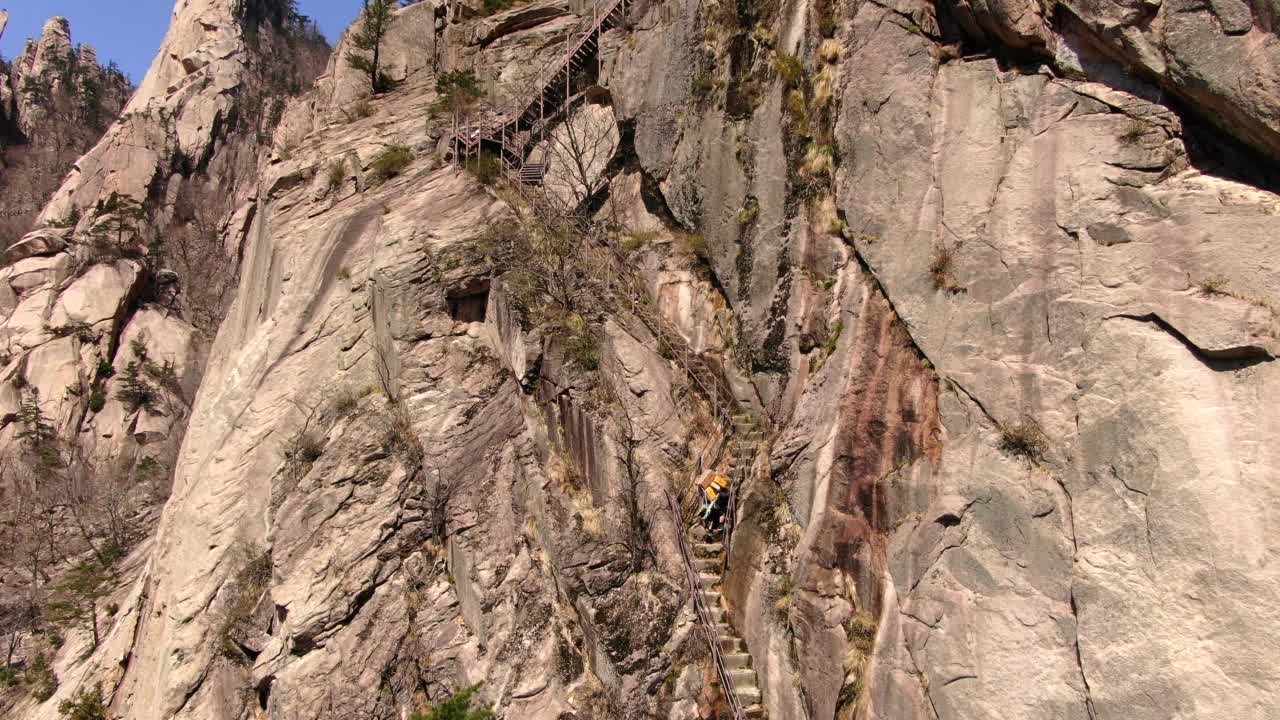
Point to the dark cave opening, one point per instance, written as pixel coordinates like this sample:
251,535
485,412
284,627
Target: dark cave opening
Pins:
469,303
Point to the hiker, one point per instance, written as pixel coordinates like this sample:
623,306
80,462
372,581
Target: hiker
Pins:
715,501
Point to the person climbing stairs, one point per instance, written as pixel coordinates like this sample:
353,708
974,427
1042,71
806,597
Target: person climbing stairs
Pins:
706,552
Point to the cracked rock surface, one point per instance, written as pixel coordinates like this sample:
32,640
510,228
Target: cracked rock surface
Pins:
1016,344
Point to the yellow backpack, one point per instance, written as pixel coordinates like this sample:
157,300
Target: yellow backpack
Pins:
718,484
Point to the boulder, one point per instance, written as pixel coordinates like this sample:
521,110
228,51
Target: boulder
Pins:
98,295
151,427
577,154
27,325
45,241
33,272
514,20
166,337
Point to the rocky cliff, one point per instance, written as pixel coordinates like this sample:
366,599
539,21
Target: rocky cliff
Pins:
110,303
993,278
55,102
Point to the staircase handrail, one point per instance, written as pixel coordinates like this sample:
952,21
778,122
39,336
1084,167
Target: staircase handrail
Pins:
622,285
551,68
704,614
522,102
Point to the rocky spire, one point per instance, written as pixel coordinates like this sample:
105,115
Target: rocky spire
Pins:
55,102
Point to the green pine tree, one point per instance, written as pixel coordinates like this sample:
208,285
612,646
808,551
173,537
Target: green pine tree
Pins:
78,595
459,91
116,219
37,433
375,20
135,392
457,707
86,706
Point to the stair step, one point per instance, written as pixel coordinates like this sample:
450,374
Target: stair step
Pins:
717,614
709,580
706,564
754,711
732,644
705,549
711,597
743,677
748,695
736,661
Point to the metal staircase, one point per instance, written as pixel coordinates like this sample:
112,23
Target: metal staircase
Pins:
745,435
705,560
513,132
512,135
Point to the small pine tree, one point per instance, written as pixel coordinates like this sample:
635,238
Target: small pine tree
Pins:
459,91
116,219
85,706
40,677
375,20
78,595
37,433
135,392
69,220
457,707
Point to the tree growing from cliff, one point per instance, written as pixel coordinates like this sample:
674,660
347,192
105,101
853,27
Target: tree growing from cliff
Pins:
457,707
36,434
375,21
87,705
115,222
459,91
135,392
78,595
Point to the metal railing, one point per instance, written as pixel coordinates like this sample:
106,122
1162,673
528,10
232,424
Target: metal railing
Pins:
613,275
707,622
504,128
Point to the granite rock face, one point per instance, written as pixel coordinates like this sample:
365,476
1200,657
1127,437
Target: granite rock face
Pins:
103,341
1218,59
1011,338
997,242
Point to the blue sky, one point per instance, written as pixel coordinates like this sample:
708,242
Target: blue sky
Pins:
130,31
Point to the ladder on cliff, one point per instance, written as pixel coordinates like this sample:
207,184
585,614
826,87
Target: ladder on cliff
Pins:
515,131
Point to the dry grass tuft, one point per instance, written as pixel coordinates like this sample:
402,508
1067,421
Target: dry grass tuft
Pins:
1024,440
830,50
860,632
789,68
398,437
1134,133
1213,286
824,86
592,516
940,269
819,160
692,244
